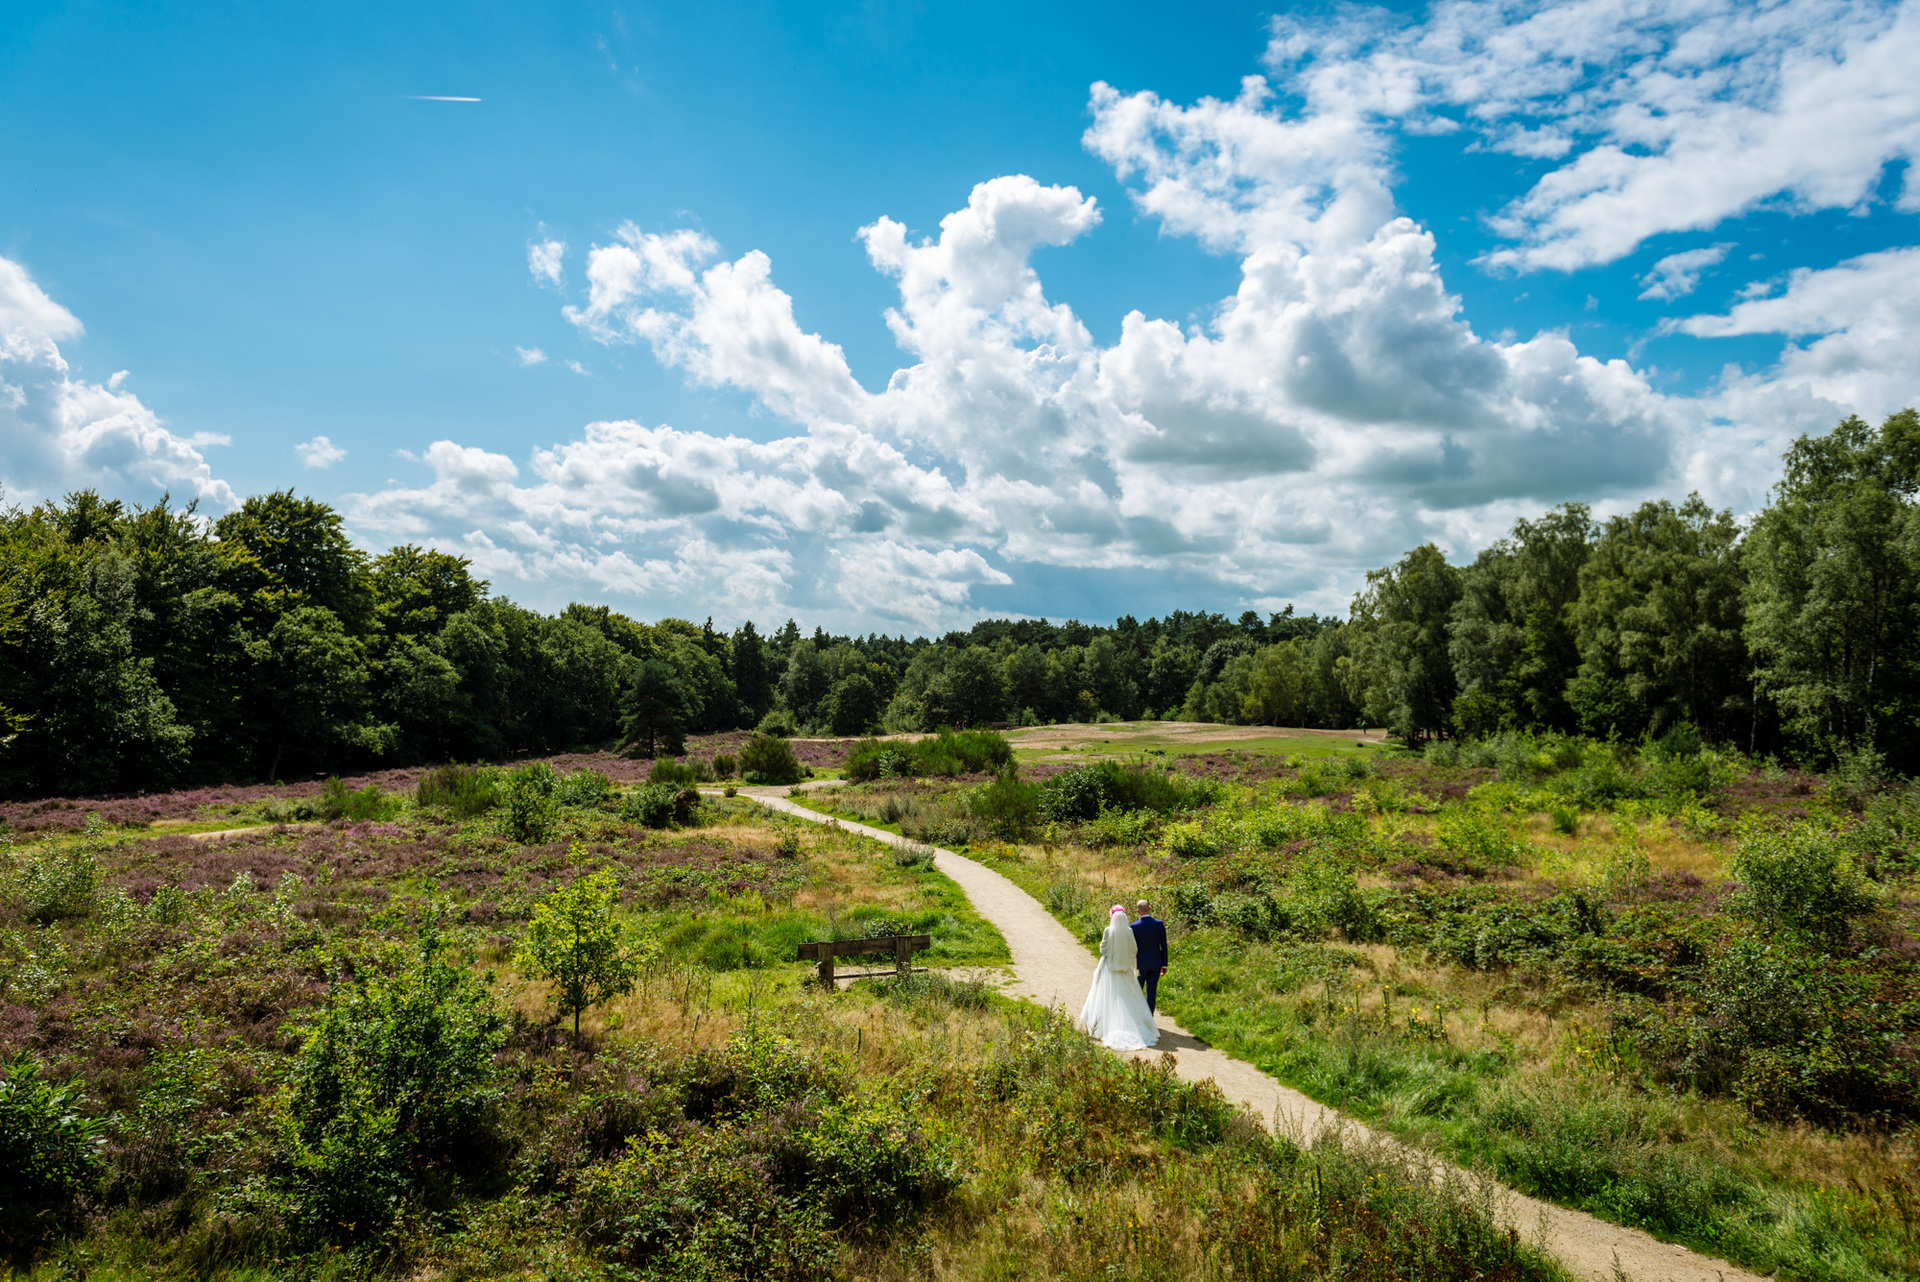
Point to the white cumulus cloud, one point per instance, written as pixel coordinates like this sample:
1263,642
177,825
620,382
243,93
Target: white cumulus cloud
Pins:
546,260
320,452
1335,409
63,432
529,356
1678,275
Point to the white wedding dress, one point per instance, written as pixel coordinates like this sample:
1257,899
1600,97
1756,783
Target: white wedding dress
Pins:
1116,1010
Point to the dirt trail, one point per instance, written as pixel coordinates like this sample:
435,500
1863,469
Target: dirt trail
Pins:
1052,968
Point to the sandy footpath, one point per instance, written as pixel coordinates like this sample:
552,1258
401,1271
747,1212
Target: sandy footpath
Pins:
1052,968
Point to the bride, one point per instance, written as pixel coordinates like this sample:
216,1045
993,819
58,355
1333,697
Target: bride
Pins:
1116,1010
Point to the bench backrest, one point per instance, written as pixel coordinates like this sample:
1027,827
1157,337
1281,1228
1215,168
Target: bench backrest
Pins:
888,944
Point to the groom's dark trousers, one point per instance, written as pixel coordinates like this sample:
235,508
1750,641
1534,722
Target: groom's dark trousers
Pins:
1150,942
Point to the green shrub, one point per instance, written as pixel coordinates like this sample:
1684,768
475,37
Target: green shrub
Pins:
336,801
1476,836
49,1156
1009,807
531,806
779,723
461,791
1800,880
54,882
575,941
681,774
1120,828
949,753
390,1083
767,759
1082,792
697,1210
724,766
584,788
660,805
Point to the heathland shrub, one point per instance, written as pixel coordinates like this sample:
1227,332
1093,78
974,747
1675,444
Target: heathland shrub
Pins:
681,774
767,759
779,1153
54,882
1009,807
585,788
390,1082
1478,837
1084,791
462,791
531,806
1800,880
660,805
49,1156
951,752
724,766
337,801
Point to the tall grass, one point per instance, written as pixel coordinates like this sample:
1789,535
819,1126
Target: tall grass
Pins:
461,791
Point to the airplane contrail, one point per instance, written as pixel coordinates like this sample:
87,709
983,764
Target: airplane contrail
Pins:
435,97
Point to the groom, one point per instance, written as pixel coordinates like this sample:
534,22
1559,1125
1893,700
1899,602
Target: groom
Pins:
1150,942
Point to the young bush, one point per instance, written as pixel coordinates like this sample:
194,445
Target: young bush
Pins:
724,766
49,1156
52,883
574,940
660,805
1008,807
778,722
1083,792
531,807
1800,880
949,753
336,802
391,1079
766,759
584,788
461,791
1478,837
681,774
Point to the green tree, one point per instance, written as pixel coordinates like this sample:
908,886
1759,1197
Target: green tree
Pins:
657,708
853,705
971,691
752,679
575,941
296,554
1833,570
1278,684
805,682
415,592
310,680
1403,670
1658,623
1511,636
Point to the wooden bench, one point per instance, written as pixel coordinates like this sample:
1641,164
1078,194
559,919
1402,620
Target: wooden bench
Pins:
901,947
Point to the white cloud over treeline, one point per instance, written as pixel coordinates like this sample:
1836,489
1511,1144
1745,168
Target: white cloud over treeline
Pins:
1334,410
62,433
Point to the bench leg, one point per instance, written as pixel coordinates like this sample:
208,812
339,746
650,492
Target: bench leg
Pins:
826,973
902,959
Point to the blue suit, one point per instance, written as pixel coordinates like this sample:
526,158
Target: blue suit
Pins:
1150,942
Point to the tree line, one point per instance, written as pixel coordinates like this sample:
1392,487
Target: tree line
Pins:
148,647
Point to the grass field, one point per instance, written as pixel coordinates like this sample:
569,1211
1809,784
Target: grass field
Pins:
316,1050
1555,968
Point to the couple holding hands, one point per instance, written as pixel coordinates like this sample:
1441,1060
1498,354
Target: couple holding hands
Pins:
1133,957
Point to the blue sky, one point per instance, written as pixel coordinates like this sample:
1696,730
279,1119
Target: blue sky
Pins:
669,319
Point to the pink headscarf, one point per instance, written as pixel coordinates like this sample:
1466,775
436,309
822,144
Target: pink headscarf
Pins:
1116,909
